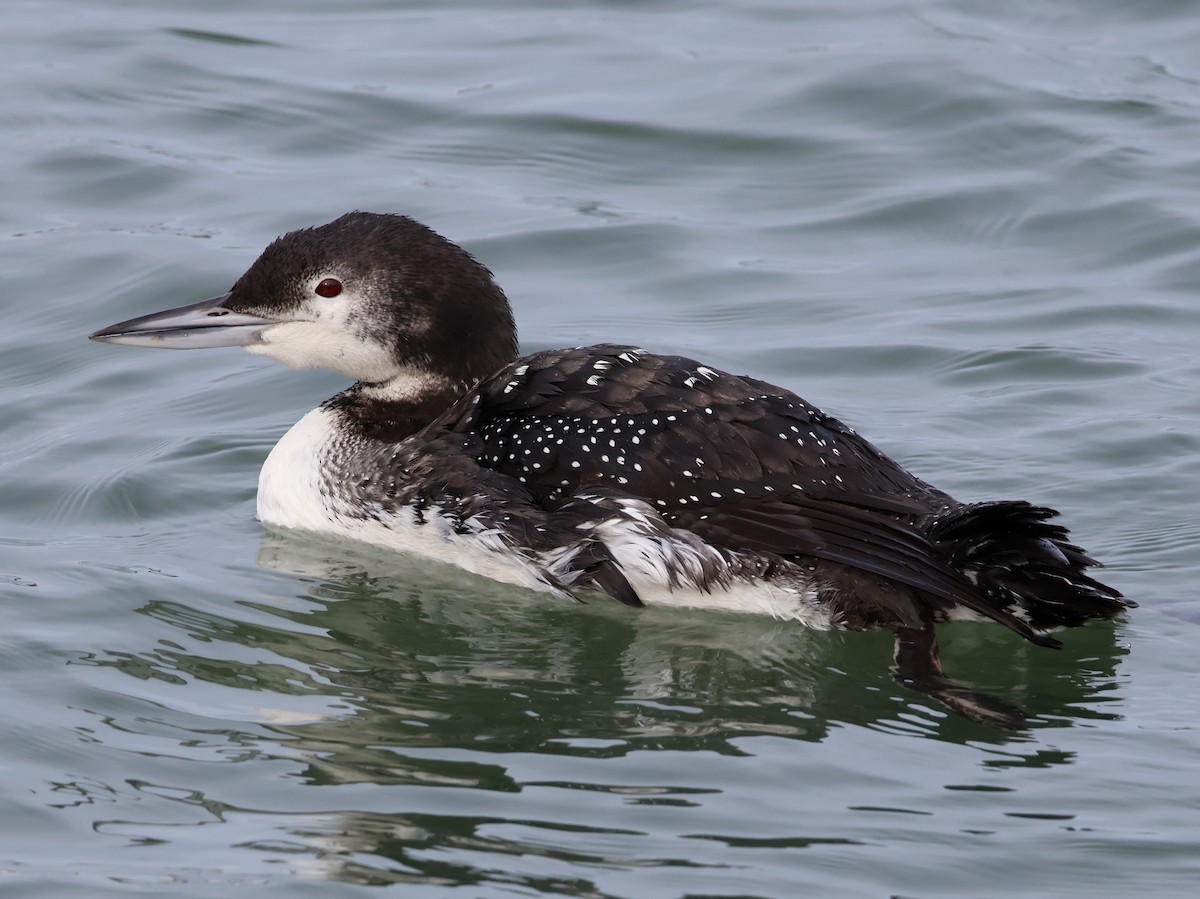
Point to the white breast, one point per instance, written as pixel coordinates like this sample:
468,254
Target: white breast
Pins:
289,485
292,494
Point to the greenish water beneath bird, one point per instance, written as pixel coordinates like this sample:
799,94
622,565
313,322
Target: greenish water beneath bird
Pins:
969,232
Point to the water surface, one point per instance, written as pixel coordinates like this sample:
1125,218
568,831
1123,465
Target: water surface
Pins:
970,231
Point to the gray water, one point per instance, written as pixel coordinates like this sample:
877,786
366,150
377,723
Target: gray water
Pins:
971,230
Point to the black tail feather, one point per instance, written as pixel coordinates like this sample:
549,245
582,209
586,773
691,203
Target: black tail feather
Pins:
1025,566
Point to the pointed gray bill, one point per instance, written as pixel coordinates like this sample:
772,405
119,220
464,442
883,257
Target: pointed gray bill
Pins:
198,326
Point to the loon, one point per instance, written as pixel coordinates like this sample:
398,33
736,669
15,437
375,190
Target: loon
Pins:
608,469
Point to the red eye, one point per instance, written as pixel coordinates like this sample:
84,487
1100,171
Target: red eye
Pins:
330,287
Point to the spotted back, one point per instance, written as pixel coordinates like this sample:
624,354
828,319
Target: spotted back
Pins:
679,434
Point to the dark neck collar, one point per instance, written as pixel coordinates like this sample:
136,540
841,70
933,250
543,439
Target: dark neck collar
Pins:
372,412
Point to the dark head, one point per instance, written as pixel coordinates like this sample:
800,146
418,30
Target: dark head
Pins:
375,297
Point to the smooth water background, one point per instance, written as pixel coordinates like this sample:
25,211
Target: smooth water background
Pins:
972,230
